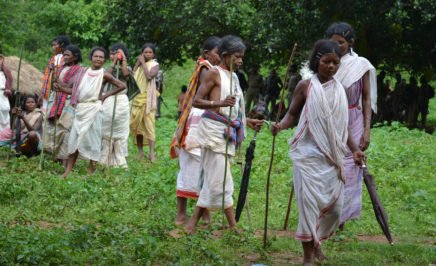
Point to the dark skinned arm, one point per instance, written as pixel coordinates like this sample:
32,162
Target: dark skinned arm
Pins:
366,102
9,78
211,80
29,127
119,85
298,101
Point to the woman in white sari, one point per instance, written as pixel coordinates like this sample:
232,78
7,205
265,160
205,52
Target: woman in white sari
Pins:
86,132
318,148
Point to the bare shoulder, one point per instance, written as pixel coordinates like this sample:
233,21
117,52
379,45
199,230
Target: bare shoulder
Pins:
108,75
213,71
302,86
203,72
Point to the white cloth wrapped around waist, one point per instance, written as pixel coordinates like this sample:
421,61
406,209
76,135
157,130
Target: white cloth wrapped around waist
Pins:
86,113
121,120
192,144
210,136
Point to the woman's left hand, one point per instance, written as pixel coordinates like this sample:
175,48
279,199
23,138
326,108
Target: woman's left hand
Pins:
103,97
255,124
364,140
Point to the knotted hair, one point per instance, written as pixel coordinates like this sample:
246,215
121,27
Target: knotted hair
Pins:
321,48
231,44
342,29
62,40
75,50
211,42
122,46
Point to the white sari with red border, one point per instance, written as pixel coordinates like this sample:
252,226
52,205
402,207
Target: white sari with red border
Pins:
317,151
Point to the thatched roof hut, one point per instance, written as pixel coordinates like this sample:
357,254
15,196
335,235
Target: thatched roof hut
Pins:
30,76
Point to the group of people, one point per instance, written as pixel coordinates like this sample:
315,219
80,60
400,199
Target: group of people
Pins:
85,113
404,102
333,110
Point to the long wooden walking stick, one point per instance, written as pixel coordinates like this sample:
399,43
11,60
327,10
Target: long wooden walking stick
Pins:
265,229
16,103
227,142
44,128
113,118
56,110
288,211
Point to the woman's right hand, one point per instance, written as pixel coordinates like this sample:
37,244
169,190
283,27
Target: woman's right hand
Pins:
275,128
17,111
56,87
141,59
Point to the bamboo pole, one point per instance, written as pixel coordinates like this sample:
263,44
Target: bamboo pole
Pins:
265,229
41,158
227,141
113,118
17,102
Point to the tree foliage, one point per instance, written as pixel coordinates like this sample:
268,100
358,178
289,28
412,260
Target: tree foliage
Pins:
393,34
32,24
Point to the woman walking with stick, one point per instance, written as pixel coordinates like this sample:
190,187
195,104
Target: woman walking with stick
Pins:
318,148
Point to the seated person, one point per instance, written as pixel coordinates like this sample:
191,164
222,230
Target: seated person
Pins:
29,123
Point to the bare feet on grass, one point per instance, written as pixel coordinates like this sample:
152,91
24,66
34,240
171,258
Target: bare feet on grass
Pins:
319,255
181,220
91,168
190,228
151,157
140,156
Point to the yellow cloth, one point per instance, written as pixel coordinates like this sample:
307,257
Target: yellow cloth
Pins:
142,117
141,123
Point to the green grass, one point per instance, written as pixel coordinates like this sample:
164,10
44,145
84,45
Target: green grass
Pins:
125,218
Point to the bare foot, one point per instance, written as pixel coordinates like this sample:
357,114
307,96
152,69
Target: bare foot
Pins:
91,170
206,217
181,220
140,156
319,255
151,157
190,229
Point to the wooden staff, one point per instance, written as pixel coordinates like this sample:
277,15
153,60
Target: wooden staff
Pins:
265,229
54,78
16,103
113,118
44,128
227,141
288,211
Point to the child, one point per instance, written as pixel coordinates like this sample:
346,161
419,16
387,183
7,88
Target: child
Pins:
180,99
318,147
